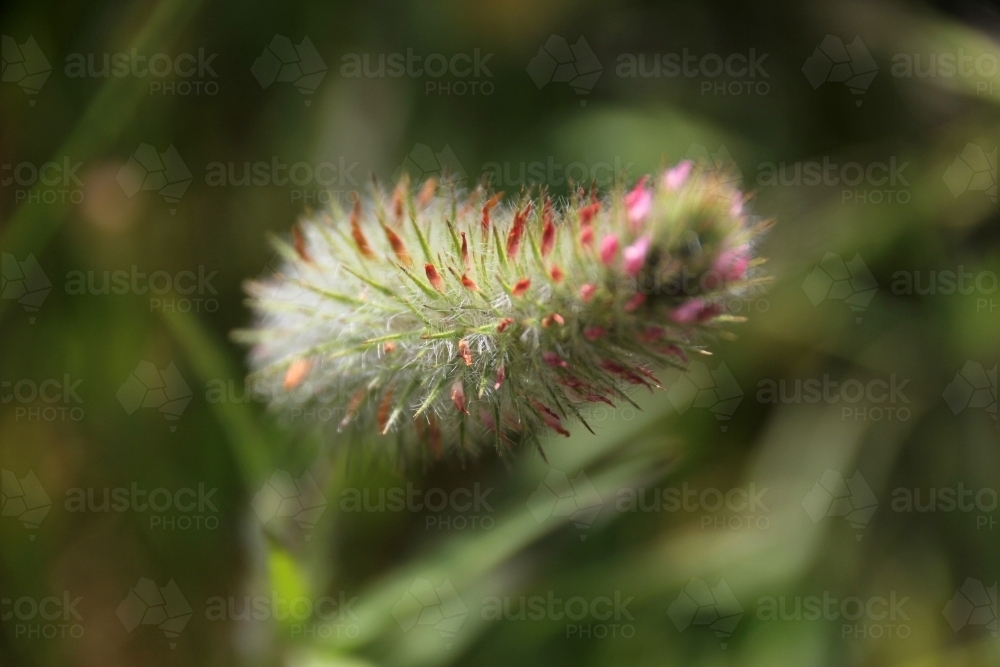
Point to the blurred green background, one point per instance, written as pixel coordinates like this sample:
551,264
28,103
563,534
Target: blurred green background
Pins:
139,388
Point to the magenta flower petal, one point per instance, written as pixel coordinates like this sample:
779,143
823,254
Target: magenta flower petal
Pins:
736,207
635,255
677,175
638,203
609,248
732,264
688,312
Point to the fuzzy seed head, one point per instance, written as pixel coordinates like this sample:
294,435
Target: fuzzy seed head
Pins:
519,319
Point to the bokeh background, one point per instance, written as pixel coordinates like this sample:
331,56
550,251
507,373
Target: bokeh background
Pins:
138,387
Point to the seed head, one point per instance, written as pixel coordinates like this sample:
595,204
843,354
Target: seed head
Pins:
523,315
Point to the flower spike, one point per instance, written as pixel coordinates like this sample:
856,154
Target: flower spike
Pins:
509,333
